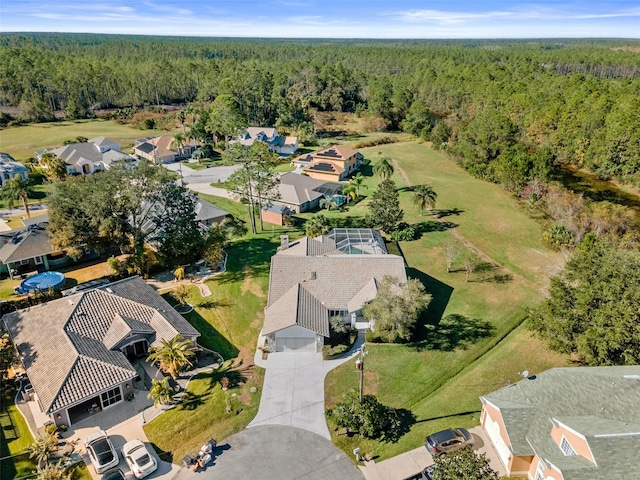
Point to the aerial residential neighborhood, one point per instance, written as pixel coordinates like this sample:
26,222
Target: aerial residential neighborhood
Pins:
392,241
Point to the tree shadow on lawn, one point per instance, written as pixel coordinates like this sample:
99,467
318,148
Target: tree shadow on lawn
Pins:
489,272
434,226
210,337
454,331
441,213
441,293
406,419
248,257
235,372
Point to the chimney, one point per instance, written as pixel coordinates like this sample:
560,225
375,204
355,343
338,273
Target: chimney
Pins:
284,242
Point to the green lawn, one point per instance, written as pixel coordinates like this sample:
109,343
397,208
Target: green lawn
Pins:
15,438
429,381
229,321
22,142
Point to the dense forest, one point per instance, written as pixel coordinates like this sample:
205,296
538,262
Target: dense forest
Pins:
509,111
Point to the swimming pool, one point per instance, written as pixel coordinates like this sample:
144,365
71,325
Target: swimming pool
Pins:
42,281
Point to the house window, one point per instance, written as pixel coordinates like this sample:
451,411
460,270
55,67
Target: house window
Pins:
37,260
566,447
539,473
111,397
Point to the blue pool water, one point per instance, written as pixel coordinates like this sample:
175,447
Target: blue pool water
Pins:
42,281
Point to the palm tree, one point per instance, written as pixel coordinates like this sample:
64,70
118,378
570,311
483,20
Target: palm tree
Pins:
55,471
424,196
178,141
43,447
181,116
316,225
17,188
358,181
384,168
173,355
351,190
161,392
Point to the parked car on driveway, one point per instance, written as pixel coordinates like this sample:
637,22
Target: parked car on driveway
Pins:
101,452
140,460
115,474
447,441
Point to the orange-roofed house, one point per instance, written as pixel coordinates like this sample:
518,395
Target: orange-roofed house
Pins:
332,164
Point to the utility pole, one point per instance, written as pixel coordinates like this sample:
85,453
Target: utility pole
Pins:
360,366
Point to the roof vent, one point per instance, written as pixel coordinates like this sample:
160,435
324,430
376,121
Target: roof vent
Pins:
108,289
70,302
632,377
312,276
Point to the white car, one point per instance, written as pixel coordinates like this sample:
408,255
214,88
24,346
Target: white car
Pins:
140,460
100,449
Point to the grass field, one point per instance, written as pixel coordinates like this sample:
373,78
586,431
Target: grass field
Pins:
15,438
229,321
22,142
428,381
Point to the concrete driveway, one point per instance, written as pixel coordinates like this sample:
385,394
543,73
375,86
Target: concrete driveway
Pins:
293,389
276,452
293,392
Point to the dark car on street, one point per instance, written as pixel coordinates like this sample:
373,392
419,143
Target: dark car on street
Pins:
425,474
447,441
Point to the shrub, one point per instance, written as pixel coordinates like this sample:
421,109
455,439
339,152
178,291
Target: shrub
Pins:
406,234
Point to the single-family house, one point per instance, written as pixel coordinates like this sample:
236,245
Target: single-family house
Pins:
9,168
28,249
301,193
208,214
567,424
315,279
162,149
78,350
333,164
94,155
280,144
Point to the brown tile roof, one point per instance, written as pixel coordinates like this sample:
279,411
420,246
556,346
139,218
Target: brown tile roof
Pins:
297,307
65,344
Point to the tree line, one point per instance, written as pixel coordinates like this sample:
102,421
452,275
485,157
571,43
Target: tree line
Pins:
509,111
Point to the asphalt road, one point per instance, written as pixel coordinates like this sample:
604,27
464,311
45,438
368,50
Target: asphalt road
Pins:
276,452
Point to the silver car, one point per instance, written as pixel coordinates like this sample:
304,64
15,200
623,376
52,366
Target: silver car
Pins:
101,452
140,460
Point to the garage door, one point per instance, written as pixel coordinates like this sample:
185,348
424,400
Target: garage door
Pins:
493,429
295,344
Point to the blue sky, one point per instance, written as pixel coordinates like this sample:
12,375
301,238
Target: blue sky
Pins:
328,18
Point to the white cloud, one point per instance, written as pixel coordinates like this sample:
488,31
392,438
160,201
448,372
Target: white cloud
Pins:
520,13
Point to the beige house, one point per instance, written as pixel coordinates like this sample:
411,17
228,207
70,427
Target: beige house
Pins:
315,279
162,149
94,155
78,350
568,424
332,164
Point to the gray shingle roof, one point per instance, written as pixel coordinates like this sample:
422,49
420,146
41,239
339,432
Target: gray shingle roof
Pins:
64,344
26,243
206,211
598,402
312,277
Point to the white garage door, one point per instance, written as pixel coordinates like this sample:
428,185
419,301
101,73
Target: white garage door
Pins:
493,429
299,344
